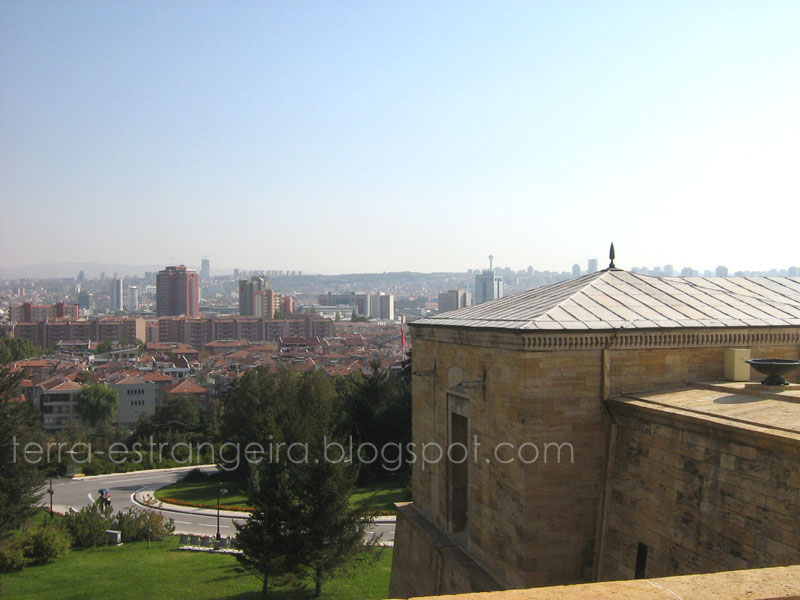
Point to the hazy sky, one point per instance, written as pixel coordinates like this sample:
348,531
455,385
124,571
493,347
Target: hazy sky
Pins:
336,136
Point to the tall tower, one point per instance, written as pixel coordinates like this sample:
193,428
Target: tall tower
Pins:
205,269
488,285
177,292
117,295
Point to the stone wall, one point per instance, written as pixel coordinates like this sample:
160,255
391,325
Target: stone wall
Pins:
431,563
779,583
701,496
536,524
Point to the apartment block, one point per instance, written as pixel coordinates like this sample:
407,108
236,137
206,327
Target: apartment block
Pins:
177,292
33,313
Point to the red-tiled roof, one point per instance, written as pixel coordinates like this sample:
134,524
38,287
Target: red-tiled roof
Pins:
185,387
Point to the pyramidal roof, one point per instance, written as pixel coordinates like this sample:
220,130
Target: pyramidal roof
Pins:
617,299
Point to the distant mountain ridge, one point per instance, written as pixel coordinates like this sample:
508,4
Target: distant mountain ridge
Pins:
71,269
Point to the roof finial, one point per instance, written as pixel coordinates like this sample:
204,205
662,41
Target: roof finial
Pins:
612,256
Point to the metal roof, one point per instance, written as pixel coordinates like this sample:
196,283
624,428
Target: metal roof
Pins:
617,299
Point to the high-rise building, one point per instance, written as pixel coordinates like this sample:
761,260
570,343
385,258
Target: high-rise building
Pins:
453,300
488,284
85,300
205,269
257,298
177,292
722,271
592,266
117,295
287,305
576,270
386,303
133,298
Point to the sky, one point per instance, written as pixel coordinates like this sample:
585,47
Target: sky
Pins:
336,136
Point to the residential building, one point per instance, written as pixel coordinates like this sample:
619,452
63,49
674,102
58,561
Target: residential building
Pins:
453,300
67,329
33,313
55,399
257,298
137,398
177,292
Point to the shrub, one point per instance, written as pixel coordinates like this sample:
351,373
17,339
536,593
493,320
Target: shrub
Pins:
195,475
11,557
88,526
137,525
44,544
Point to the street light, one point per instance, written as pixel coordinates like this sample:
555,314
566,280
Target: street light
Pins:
51,491
220,490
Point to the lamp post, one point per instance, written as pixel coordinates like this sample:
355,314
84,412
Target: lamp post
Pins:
51,491
220,490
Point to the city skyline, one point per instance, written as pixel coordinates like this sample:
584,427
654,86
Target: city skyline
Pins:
432,133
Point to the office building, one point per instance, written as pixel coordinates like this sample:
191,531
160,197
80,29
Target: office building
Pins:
116,295
488,284
133,298
177,292
357,301
205,269
592,266
453,300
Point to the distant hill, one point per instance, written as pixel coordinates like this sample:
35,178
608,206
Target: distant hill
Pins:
71,269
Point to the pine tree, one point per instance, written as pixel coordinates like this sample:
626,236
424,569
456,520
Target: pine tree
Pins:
303,526
19,479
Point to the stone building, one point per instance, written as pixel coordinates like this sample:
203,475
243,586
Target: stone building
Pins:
603,442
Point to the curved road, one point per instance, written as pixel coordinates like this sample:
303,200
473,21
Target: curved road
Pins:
77,493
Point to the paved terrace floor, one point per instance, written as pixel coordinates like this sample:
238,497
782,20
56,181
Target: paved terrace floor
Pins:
732,404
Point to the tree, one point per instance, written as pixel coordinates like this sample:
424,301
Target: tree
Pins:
97,403
19,478
303,524
103,347
334,532
177,413
13,349
378,411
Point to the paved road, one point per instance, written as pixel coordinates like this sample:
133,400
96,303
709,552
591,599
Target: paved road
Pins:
79,492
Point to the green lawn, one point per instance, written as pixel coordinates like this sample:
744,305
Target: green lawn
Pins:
132,572
204,493
383,494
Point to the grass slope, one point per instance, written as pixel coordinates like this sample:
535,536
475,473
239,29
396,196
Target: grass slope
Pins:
132,572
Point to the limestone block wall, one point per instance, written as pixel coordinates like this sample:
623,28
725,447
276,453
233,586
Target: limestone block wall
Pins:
701,497
426,562
536,524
